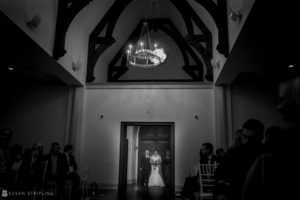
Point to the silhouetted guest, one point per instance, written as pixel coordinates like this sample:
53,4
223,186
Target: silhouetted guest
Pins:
207,155
273,138
15,168
145,167
56,167
5,137
274,175
232,172
72,171
237,139
220,152
15,150
32,166
166,167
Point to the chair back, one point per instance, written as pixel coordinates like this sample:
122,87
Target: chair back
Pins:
206,179
83,174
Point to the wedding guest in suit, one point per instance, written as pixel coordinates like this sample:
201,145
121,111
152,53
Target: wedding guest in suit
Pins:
72,171
31,170
145,167
5,137
166,167
56,167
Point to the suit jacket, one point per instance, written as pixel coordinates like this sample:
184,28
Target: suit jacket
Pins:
31,172
61,166
72,162
145,163
206,160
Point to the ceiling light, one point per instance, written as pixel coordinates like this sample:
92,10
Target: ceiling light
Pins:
144,54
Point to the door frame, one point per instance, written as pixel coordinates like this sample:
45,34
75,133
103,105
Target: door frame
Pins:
123,149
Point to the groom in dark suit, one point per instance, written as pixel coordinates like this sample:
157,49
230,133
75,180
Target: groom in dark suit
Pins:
145,167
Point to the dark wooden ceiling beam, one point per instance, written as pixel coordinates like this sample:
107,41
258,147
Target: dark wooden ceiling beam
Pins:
66,12
219,13
108,21
187,19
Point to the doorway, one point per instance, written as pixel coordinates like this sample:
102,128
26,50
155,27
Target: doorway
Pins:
136,137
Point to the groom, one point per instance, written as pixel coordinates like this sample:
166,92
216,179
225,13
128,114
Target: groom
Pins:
145,167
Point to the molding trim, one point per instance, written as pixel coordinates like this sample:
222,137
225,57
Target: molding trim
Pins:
150,86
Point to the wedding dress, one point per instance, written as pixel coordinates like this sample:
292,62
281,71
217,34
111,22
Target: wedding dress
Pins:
155,178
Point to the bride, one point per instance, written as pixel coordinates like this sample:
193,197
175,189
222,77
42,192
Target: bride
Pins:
155,178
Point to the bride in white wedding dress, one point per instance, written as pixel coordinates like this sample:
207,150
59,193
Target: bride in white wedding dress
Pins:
155,178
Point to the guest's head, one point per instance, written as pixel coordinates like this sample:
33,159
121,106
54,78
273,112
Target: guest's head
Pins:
55,148
147,152
5,136
37,149
206,150
155,152
289,99
68,149
237,138
168,153
220,152
253,130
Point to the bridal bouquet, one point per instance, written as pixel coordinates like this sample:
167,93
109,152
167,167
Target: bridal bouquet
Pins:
155,162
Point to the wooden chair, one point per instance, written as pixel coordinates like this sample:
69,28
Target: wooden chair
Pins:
206,181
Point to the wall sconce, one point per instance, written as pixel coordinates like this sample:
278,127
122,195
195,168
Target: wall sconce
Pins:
215,64
76,66
235,16
34,22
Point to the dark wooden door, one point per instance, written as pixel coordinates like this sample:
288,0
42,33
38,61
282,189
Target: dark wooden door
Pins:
153,138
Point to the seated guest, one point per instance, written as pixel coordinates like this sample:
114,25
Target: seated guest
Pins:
72,171
220,155
56,167
191,184
232,172
32,167
273,138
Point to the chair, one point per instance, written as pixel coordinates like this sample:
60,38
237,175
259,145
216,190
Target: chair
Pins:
83,174
206,180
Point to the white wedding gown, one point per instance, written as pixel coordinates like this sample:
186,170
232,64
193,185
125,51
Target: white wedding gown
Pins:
155,178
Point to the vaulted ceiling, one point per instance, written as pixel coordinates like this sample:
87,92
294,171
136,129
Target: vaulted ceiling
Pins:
191,31
184,28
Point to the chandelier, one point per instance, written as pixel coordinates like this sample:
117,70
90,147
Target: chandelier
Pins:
144,54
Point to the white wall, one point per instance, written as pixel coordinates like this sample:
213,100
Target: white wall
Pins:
142,103
35,114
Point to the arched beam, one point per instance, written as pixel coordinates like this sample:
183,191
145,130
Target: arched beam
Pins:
66,12
219,14
187,19
97,44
